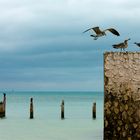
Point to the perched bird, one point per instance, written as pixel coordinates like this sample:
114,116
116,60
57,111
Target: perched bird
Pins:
138,44
122,45
100,33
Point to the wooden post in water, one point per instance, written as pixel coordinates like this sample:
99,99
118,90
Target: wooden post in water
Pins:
94,111
31,109
1,110
4,103
62,110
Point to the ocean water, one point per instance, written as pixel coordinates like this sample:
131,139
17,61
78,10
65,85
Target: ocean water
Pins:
47,124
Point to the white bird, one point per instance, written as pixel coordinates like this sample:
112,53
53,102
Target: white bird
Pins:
138,44
122,45
100,33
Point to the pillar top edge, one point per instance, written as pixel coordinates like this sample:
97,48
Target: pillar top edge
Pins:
137,52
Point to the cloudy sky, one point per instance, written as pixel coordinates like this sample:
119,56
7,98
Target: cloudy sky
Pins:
42,46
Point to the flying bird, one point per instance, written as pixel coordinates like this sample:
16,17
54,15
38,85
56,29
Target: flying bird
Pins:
100,33
138,44
122,45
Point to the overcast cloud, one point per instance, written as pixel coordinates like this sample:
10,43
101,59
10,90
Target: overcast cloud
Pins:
42,46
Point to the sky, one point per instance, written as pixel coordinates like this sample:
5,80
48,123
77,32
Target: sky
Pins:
42,46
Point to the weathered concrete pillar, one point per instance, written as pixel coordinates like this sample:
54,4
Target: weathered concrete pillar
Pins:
122,96
62,110
31,109
2,115
94,111
4,103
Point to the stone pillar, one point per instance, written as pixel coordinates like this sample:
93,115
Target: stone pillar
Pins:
122,95
31,109
62,110
94,111
2,112
4,103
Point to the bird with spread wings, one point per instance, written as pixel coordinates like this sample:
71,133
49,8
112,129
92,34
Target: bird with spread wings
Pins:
100,33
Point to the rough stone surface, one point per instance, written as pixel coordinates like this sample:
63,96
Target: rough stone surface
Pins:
122,95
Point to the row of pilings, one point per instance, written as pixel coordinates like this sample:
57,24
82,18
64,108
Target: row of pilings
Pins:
3,109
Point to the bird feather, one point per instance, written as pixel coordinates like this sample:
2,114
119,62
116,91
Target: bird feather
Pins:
97,30
138,44
113,31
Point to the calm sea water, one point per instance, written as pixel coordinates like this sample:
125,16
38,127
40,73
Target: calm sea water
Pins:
47,124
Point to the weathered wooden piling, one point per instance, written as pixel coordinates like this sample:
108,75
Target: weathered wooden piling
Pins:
94,111
122,96
4,103
2,113
31,109
62,110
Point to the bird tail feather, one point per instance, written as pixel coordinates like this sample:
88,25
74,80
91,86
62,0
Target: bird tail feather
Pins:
115,46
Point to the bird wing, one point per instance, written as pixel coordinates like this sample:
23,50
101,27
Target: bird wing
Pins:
138,44
87,30
116,46
113,31
95,29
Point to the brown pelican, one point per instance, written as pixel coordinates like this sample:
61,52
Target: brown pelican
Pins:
100,33
122,45
138,44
